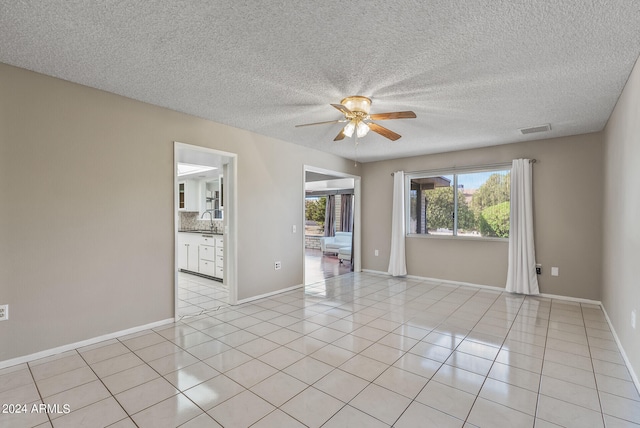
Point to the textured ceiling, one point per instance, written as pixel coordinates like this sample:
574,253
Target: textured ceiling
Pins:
473,71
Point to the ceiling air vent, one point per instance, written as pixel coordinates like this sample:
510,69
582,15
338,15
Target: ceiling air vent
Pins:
539,128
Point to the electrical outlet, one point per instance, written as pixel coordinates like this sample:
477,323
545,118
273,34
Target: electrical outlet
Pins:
538,269
277,265
293,229
376,253
555,271
4,312
633,319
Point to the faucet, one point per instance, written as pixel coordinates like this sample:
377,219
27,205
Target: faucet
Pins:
210,212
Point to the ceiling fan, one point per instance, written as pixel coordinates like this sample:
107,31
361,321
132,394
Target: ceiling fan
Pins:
358,119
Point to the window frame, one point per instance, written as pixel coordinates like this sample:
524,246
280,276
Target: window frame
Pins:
454,171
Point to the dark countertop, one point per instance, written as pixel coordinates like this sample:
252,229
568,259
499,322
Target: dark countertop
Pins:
205,232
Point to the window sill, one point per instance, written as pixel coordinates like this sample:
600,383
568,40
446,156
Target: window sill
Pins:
457,238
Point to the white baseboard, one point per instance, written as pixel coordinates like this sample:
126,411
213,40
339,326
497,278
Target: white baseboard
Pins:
634,377
272,293
571,299
87,342
458,283
376,272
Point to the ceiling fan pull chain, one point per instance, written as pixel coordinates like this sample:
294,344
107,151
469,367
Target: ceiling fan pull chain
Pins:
355,161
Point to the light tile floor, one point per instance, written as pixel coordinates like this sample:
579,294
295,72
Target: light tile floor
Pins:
318,266
359,350
197,295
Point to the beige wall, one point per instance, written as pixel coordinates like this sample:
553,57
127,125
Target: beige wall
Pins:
620,279
86,220
567,209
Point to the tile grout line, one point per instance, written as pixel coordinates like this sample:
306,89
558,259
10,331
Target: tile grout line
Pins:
452,350
186,350
574,383
544,352
376,300
578,384
391,365
466,420
38,390
308,386
345,404
162,377
595,378
188,288
257,358
108,390
337,368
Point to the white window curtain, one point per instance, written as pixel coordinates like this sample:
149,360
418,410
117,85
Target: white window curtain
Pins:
521,273
397,261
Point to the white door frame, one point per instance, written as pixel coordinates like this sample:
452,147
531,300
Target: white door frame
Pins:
357,227
230,220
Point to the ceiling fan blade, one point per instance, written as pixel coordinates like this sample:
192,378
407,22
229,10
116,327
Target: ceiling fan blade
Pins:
322,123
393,115
342,108
340,135
383,131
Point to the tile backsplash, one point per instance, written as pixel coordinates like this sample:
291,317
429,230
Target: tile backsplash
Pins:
192,221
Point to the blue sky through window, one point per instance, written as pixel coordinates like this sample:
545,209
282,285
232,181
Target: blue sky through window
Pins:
476,179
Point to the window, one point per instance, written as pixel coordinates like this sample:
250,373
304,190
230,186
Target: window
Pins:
469,203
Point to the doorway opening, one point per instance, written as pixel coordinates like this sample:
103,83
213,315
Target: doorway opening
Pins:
205,229
332,224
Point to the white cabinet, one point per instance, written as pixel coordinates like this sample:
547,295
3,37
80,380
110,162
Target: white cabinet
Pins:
207,267
188,251
208,240
201,254
207,252
219,258
207,259
189,195
212,257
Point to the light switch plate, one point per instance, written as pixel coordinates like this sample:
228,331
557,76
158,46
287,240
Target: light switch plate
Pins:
555,271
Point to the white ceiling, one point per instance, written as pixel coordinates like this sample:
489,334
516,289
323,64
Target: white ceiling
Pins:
473,71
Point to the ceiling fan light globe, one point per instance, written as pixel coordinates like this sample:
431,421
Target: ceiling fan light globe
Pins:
362,129
349,128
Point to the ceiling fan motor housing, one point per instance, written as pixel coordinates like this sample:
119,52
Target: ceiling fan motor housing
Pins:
357,104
